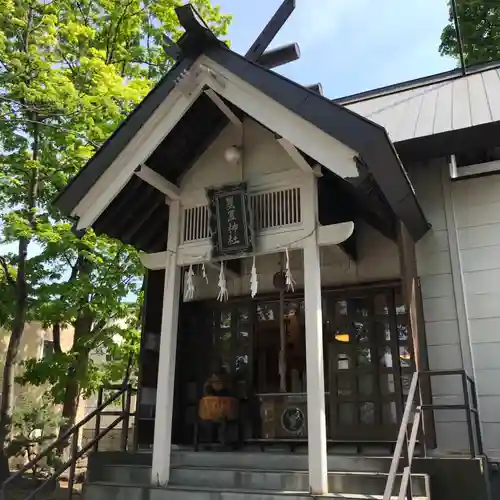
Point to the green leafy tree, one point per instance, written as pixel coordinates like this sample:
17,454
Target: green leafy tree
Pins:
70,71
479,22
93,300
35,422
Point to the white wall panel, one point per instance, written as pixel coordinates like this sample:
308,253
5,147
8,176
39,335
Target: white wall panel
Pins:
477,207
436,286
485,330
439,302
442,333
487,355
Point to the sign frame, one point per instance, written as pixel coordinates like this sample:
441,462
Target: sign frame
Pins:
221,245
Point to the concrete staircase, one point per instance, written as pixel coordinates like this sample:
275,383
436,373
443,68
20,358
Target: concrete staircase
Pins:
237,476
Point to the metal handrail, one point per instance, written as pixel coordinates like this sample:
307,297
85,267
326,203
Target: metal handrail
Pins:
389,487
476,445
75,454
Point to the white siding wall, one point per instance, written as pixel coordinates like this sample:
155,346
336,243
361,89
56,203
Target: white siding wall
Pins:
476,205
440,311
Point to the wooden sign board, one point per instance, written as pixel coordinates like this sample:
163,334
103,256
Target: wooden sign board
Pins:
230,220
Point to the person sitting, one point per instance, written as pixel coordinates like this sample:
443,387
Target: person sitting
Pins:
218,409
217,384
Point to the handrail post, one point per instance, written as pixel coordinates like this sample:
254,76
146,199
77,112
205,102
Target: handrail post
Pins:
76,454
477,422
423,437
126,418
465,387
72,470
100,397
401,438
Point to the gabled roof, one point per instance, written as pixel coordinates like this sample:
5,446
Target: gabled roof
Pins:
367,138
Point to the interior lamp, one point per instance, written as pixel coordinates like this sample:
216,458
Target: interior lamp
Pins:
232,154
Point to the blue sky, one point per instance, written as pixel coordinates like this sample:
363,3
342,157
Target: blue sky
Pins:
350,45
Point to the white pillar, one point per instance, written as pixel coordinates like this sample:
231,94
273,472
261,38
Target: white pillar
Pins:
316,416
162,444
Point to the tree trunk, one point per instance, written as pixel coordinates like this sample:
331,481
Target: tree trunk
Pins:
7,397
69,410
83,327
7,402
56,337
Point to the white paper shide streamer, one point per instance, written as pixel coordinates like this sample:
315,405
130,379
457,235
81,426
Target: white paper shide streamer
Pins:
289,281
204,273
223,294
189,295
254,283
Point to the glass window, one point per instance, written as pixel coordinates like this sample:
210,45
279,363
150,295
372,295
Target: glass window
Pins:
382,331
346,413
402,332
381,307
385,354
225,318
405,356
406,382
365,384
387,384
400,304
389,413
364,356
360,307
243,314
268,311
224,346
343,361
362,331
341,308
344,385
367,413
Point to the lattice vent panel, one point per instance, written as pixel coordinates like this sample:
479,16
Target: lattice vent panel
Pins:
276,209
270,210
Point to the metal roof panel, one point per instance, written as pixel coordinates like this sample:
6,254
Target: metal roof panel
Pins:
452,104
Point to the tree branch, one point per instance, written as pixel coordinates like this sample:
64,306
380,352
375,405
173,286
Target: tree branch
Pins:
62,129
10,280
85,17
112,38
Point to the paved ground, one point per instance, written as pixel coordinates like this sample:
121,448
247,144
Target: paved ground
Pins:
60,494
